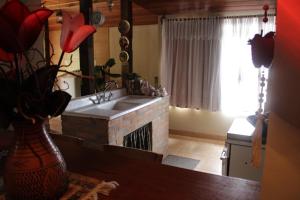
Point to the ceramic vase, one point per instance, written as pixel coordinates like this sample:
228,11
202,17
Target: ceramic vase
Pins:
34,168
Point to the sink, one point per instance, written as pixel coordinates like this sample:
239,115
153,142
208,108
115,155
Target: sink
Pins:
109,122
111,109
124,105
115,105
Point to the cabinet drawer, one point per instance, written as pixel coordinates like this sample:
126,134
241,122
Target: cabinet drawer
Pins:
240,163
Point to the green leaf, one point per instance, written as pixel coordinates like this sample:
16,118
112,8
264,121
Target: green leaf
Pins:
57,102
8,94
41,81
110,62
98,69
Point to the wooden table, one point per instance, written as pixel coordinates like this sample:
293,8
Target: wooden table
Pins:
144,180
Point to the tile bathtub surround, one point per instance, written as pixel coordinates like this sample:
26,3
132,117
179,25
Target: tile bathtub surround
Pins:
101,131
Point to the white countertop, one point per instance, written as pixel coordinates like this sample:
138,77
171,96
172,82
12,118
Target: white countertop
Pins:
83,107
240,131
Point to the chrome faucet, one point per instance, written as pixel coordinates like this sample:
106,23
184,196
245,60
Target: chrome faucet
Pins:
101,96
98,99
108,87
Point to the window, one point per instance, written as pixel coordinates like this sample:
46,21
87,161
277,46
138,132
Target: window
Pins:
239,78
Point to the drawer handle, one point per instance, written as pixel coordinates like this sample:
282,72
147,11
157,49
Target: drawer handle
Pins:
224,155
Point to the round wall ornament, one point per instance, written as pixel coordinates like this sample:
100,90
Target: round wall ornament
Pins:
124,42
124,26
123,56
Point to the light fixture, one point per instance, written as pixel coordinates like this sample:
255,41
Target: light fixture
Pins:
59,16
110,4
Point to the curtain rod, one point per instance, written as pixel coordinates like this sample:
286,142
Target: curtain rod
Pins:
208,17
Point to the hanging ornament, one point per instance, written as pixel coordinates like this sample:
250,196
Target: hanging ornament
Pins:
110,4
262,47
59,16
266,8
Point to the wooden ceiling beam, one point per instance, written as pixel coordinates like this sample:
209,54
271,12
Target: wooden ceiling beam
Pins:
146,12
86,51
170,7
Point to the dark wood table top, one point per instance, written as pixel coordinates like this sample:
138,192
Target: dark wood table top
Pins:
141,180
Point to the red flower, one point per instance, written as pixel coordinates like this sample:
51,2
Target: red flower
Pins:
6,57
74,32
19,27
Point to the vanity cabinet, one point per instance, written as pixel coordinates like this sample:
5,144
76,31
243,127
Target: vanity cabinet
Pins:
110,122
237,153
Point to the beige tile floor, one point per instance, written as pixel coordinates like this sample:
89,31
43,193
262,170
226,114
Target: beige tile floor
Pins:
206,150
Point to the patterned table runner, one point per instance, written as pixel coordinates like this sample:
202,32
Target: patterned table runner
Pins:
81,188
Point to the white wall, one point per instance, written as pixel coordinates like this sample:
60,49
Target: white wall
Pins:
199,122
114,48
146,50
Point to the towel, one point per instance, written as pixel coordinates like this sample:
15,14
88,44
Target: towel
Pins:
257,142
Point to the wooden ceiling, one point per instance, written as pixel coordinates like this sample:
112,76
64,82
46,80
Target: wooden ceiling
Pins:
169,7
147,11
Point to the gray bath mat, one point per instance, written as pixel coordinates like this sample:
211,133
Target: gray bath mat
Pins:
182,162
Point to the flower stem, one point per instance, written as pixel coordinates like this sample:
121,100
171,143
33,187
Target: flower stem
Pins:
76,75
61,58
18,77
34,75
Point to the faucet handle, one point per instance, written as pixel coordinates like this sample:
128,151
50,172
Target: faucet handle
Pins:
93,100
109,96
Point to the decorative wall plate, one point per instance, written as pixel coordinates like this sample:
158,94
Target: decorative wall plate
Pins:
124,42
124,26
124,56
98,18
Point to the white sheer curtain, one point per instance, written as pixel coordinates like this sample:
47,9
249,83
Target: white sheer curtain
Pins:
190,62
239,77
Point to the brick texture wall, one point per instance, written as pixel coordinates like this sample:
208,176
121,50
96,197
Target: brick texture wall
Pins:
99,131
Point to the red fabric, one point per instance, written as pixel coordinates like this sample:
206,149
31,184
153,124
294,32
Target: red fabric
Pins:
20,27
74,32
